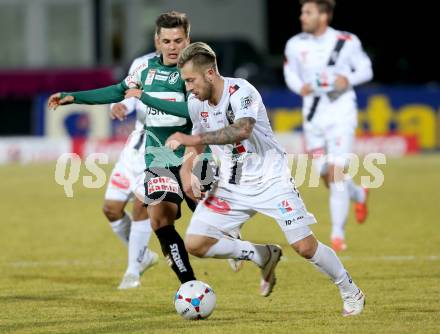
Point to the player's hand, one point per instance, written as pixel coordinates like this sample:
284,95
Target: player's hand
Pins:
55,100
341,83
133,92
306,90
175,140
118,111
191,186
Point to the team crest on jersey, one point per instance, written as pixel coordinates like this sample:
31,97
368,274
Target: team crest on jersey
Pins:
204,118
233,89
150,77
172,79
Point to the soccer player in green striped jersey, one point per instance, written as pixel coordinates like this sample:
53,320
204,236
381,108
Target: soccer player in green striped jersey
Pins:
157,77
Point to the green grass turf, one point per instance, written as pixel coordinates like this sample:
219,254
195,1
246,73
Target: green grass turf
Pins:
60,265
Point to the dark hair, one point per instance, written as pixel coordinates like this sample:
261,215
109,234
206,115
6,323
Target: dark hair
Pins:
324,6
173,19
201,55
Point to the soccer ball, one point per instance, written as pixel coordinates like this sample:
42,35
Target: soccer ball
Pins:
195,300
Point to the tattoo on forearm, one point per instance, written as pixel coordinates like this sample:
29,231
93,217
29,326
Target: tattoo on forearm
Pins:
241,129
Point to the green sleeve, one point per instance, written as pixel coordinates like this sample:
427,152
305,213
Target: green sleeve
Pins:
179,109
109,94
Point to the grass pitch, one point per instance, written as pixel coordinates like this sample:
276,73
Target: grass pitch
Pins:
60,265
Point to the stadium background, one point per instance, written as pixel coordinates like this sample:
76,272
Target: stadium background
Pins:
47,239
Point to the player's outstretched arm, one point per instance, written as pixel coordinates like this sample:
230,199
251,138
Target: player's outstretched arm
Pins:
56,100
109,94
179,109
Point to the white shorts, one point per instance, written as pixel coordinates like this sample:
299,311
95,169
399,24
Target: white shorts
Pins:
335,142
127,177
228,207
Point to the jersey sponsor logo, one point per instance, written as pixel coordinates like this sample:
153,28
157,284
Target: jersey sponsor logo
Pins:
172,79
162,183
161,77
233,89
150,77
120,181
245,102
217,205
167,73
153,111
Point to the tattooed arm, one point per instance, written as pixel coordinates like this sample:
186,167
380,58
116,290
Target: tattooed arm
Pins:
237,131
240,130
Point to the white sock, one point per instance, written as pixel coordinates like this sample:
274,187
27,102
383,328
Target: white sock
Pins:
137,245
238,249
339,205
121,227
356,192
327,262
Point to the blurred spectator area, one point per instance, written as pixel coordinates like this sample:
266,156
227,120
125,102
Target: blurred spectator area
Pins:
62,45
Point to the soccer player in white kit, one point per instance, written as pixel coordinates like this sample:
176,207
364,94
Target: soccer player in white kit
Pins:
322,65
228,114
127,182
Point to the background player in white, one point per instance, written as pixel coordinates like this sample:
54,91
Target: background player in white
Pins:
125,181
322,65
228,114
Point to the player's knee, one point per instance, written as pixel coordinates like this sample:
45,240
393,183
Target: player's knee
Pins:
194,247
306,247
158,222
194,250
111,212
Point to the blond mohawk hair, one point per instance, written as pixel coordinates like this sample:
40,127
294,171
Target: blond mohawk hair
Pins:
201,55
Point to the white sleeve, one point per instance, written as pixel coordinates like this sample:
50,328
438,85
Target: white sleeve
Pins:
129,103
245,102
360,64
133,80
291,70
134,65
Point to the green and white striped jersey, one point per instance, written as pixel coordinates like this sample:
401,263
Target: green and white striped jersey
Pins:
163,82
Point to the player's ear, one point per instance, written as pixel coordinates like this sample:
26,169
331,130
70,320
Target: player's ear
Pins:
210,72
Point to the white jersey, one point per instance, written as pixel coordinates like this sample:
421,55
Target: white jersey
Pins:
251,161
307,58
